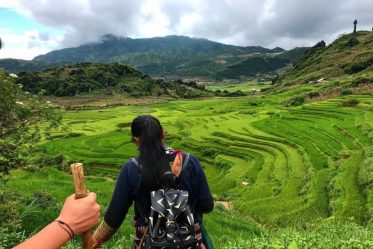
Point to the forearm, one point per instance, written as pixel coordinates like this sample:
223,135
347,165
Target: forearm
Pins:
51,237
103,232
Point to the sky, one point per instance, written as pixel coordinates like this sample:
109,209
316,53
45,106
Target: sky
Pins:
32,27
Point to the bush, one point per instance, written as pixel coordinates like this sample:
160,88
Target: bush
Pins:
357,66
350,102
346,92
209,152
9,238
20,118
43,199
10,218
352,42
361,81
61,162
295,101
236,94
312,95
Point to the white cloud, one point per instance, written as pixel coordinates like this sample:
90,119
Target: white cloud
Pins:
269,23
26,45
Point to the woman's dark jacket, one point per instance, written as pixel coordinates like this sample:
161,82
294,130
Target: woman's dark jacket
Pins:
128,190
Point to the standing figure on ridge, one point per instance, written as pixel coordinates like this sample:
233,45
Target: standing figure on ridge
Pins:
355,22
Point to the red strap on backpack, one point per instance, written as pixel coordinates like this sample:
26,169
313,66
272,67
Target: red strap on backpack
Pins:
177,164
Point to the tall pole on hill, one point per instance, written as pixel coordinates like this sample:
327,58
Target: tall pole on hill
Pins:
355,22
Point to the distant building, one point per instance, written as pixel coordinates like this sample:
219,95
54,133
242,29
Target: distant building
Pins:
254,91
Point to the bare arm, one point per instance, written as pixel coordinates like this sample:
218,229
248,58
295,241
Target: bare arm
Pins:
79,214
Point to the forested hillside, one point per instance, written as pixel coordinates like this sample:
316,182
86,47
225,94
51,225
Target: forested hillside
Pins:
111,78
167,56
259,65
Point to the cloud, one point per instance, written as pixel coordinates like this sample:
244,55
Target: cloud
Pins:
85,21
26,45
269,23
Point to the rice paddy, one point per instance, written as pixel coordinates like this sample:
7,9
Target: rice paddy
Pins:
276,166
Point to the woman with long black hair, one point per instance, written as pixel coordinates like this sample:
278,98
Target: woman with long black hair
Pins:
148,172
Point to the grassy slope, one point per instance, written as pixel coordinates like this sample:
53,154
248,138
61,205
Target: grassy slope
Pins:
303,164
335,60
244,87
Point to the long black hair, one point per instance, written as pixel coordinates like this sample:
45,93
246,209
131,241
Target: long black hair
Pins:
153,158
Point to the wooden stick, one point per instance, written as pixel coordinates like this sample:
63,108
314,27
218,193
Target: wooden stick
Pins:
81,192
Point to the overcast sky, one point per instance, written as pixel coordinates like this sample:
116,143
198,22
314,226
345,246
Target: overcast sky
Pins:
32,27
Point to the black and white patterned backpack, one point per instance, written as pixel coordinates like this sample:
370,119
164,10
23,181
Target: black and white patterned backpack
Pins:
171,221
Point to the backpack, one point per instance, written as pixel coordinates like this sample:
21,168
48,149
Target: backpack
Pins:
171,221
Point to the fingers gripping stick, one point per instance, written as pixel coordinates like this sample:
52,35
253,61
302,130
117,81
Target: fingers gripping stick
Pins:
81,192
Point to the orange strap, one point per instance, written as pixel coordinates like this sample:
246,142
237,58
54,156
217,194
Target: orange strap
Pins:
177,165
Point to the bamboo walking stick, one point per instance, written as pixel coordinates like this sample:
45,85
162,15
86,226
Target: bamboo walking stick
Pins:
81,192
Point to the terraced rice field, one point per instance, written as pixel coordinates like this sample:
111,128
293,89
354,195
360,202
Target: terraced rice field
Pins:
242,86
274,165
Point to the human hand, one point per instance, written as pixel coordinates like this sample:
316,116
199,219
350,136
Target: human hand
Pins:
80,214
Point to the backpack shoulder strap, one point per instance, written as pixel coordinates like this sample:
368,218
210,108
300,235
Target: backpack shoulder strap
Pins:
180,162
186,160
177,166
134,160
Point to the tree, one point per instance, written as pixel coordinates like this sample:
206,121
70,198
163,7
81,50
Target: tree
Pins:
21,117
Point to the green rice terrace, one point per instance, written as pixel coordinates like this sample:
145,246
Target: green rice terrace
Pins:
283,177
289,166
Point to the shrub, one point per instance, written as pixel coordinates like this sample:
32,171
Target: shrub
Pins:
20,129
361,80
236,94
10,218
346,92
295,101
9,238
209,152
312,95
350,102
43,199
61,162
357,66
352,42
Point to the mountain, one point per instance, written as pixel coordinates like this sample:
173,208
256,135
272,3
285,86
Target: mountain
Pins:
262,64
349,55
17,65
108,78
116,48
169,56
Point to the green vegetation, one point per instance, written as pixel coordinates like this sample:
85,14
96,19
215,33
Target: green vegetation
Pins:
108,78
293,165
245,87
16,65
349,54
302,164
19,119
20,132
167,56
